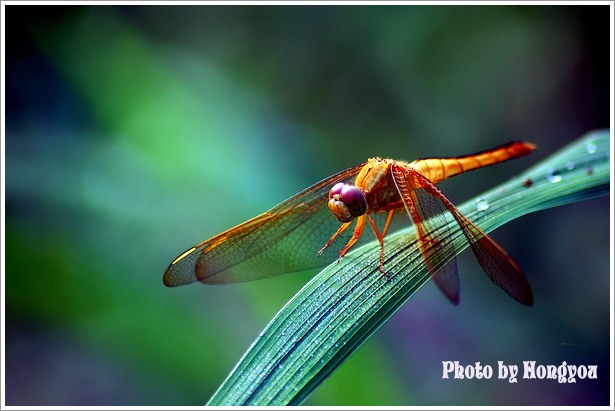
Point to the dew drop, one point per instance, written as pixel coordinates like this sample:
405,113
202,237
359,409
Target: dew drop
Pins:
481,205
569,165
591,148
554,177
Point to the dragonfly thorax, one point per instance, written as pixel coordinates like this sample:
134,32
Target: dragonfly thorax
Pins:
376,182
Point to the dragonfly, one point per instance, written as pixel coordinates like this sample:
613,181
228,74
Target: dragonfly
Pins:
298,234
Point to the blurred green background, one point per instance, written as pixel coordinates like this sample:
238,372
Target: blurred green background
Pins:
135,132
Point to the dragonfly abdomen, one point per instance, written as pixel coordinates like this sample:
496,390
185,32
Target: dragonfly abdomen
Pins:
438,169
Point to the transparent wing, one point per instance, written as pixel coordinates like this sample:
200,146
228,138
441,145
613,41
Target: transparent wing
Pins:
496,263
427,213
282,240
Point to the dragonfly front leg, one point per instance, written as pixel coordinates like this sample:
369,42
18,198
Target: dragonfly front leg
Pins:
358,232
339,231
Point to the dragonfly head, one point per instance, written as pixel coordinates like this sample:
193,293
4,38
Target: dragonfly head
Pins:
346,202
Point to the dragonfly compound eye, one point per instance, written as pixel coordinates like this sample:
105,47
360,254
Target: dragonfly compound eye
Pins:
346,202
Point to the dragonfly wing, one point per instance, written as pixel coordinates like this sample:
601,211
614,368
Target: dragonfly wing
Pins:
496,263
282,240
426,212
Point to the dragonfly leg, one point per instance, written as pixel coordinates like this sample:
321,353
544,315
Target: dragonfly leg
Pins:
388,222
380,238
358,232
334,236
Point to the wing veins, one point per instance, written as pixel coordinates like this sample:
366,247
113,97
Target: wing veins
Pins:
425,211
217,256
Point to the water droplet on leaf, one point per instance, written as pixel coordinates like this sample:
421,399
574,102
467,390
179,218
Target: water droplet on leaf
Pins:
554,176
481,205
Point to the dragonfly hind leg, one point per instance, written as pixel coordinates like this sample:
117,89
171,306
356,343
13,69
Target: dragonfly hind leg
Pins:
380,237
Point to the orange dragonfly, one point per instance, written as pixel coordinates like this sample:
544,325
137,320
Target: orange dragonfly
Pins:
379,192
